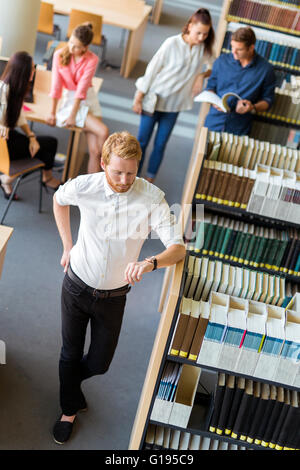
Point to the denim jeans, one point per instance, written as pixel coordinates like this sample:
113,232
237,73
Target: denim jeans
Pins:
105,316
165,123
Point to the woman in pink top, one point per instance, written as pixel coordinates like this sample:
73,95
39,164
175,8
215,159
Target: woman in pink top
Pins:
72,72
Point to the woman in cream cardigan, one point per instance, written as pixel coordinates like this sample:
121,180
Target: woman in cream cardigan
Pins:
173,77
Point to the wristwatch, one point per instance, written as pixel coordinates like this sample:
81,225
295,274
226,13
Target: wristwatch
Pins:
153,261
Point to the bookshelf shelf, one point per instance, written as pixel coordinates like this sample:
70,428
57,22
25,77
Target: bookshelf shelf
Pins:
257,24
211,435
182,360
244,215
287,277
281,122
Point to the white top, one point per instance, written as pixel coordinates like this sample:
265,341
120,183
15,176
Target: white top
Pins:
171,73
113,226
3,106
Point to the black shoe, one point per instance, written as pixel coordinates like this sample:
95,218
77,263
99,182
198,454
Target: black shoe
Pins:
7,195
62,431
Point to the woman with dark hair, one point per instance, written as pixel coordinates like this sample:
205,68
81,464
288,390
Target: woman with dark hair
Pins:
73,69
14,85
173,77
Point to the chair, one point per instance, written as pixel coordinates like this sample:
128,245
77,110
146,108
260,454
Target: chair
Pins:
78,17
18,169
46,24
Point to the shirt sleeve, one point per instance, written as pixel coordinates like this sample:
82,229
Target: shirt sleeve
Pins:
164,223
143,84
66,195
56,79
85,81
268,90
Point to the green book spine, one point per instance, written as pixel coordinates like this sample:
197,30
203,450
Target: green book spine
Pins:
220,242
244,249
250,249
207,239
230,244
235,247
225,242
273,254
239,247
297,267
214,241
256,247
266,253
281,250
260,251
201,229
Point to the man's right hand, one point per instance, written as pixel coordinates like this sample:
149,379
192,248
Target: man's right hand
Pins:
65,260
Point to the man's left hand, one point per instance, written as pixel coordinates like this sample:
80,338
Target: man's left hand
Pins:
134,271
243,107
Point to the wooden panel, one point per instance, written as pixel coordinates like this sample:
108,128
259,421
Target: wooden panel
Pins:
155,359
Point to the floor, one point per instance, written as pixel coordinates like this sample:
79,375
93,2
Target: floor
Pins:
32,276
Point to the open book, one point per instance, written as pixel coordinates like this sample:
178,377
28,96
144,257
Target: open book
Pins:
212,98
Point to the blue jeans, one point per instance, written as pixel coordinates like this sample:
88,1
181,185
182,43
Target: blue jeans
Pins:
166,121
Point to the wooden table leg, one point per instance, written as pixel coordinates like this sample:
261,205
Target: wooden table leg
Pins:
73,157
133,48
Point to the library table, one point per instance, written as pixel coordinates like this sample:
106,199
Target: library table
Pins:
131,15
40,109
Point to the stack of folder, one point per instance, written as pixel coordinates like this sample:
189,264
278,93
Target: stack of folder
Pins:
203,276
256,413
240,335
247,152
161,438
226,184
176,394
276,194
248,244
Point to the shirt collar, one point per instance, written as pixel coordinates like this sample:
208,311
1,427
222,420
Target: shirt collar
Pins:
237,62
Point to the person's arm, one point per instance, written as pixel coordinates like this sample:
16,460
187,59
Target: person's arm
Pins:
143,84
62,219
245,106
56,88
170,233
168,257
34,146
198,83
51,119
71,121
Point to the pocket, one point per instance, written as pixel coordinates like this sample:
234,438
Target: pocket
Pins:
71,287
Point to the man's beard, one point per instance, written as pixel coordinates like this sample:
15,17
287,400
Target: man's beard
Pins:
118,188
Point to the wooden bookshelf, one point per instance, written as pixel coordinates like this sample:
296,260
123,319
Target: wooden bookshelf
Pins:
171,302
172,289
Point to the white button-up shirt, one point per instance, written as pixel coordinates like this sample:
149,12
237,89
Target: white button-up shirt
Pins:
172,71
114,226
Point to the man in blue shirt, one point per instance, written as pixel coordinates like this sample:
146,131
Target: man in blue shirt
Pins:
245,73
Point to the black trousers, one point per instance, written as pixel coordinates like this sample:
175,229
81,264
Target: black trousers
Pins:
18,147
79,308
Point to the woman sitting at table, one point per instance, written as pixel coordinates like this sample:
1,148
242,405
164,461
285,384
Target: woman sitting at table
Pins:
73,69
14,85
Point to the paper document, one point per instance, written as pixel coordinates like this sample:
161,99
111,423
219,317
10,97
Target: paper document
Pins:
212,98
